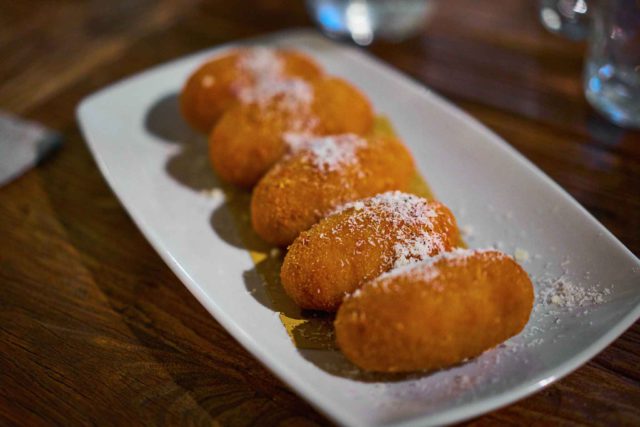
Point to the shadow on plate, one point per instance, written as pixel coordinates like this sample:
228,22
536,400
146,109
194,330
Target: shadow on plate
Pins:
312,333
336,364
164,121
232,221
190,167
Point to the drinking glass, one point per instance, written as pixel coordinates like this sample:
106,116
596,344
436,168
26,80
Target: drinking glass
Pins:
612,68
364,20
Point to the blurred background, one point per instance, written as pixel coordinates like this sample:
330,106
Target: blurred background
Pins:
493,58
95,325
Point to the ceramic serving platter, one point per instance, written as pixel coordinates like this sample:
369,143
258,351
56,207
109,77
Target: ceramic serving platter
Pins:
587,282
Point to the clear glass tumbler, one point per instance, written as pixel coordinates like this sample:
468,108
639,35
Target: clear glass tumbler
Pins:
612,69
364,20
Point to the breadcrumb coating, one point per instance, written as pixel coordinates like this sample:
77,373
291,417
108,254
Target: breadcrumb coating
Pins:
361,241
436,313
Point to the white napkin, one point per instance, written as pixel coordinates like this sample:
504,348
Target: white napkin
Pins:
22,145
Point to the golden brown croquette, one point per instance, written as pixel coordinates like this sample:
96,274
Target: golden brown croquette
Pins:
321,174
226,79
250,138
360,242
435,313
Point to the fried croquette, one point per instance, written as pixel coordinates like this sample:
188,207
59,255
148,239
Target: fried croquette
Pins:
339,107
227,79
361,241
249,138
435,313
321,174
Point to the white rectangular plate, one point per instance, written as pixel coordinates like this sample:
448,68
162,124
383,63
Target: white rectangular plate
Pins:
157,167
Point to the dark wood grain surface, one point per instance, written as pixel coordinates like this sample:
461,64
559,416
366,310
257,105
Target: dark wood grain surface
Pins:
95,329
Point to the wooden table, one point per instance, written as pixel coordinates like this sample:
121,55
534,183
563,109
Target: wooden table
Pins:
94,328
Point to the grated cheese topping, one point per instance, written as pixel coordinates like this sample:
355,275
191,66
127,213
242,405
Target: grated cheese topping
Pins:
425,270
411,226
261,63
290,94
562,292
265,82
326,153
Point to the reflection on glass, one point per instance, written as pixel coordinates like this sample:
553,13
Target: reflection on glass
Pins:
612,70
364,20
